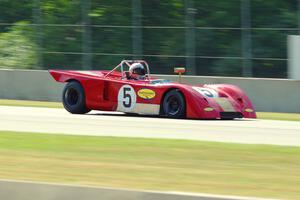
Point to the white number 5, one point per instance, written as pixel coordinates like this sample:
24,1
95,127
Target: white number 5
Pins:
126,98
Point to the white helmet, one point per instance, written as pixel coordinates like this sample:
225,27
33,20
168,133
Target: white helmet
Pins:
137,69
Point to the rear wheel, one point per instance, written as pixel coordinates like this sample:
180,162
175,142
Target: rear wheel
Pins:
74,98
174,105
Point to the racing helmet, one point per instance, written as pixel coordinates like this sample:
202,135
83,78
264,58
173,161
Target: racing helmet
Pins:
137,69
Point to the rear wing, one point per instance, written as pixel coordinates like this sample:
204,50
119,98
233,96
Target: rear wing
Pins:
58,75
66,75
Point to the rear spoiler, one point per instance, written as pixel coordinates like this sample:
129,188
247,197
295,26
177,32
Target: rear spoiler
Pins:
65,75
56,74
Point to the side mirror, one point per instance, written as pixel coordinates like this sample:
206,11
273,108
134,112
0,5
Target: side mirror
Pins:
179,71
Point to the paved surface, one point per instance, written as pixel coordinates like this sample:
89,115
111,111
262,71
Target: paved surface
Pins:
46,191
46,120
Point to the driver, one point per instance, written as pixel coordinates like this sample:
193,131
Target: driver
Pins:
137,72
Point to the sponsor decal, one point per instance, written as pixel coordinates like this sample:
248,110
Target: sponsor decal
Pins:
208,109
249,110
146,93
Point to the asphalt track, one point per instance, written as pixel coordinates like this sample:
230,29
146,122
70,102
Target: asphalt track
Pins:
59,121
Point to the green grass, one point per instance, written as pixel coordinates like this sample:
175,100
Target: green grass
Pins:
261,115
152,164
8,102
279,116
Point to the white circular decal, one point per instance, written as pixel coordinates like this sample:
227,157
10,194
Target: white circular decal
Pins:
208,92
126,98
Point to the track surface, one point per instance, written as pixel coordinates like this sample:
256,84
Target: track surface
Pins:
58,121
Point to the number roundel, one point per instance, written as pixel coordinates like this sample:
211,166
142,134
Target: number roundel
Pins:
126,98
208,92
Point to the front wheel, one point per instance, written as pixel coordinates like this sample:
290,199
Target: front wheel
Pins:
174,105
74,98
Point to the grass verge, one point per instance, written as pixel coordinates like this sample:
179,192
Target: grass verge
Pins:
25,103
279,116
153,164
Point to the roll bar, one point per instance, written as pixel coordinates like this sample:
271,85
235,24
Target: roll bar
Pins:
129,63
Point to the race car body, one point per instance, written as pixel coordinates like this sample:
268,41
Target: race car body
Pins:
114,91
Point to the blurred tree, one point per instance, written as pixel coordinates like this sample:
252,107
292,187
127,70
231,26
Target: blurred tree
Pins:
62,32
13,11
161,41
272,43
111,40
17,49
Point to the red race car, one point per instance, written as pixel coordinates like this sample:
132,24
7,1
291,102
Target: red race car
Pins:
129,88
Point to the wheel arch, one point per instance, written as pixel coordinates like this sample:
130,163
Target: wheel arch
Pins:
72,80
161,111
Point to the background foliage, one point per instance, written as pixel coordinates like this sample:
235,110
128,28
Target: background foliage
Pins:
50,35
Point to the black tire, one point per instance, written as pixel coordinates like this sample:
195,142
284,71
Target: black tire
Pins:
173,105
74,98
